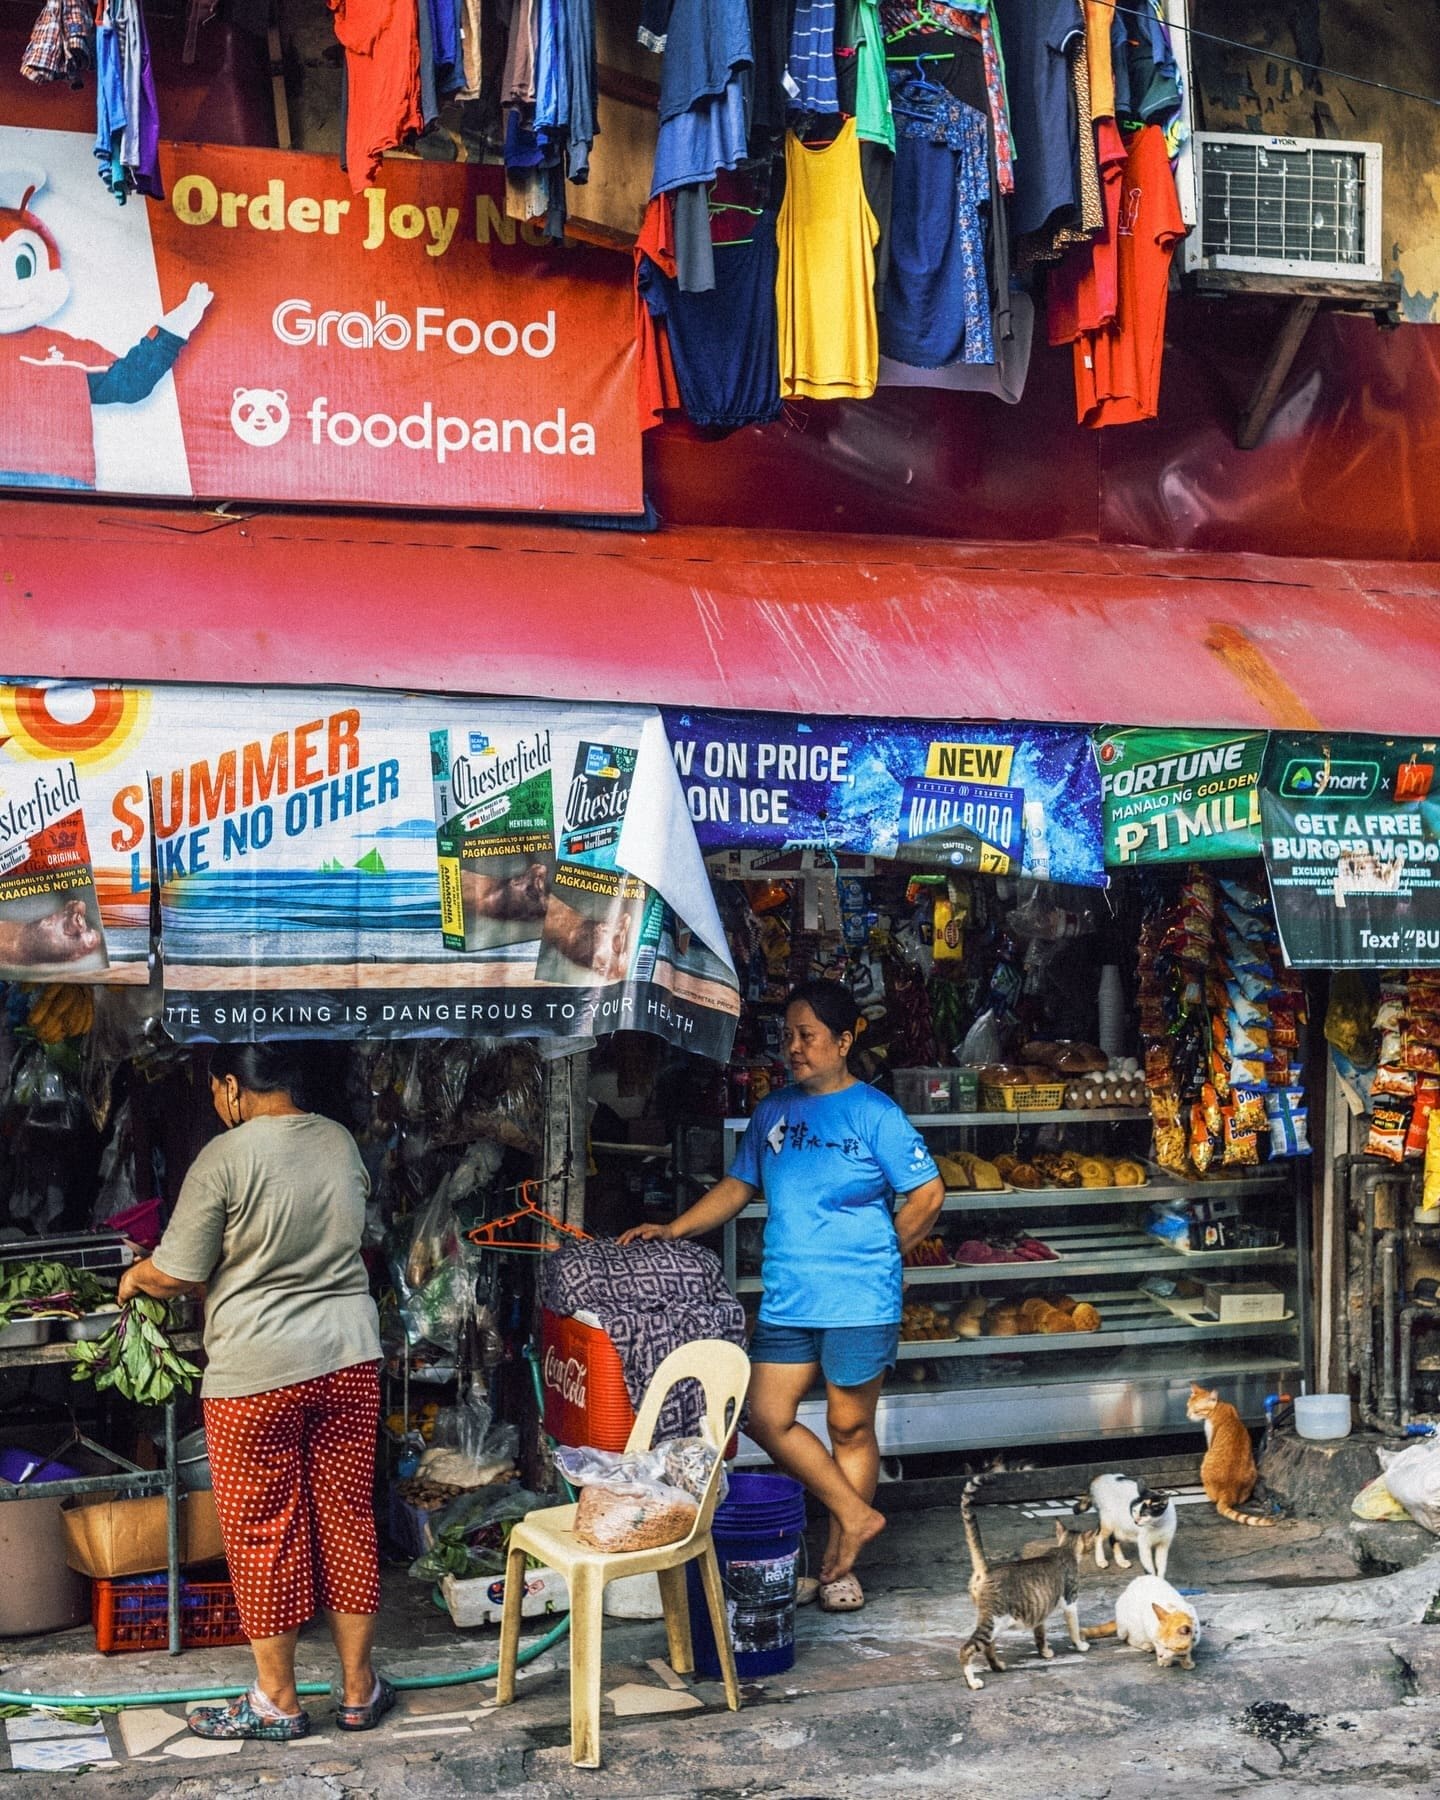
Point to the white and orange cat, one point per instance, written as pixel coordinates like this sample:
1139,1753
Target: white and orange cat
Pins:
1228,1474
1150,1615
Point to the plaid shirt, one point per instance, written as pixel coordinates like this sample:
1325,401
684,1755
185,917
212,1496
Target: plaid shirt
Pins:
60,46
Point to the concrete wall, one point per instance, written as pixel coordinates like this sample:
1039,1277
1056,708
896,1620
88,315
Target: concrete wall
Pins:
1392,41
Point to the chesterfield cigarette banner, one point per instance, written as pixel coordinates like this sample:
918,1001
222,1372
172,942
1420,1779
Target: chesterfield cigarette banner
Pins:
1000,799
263,333
300,843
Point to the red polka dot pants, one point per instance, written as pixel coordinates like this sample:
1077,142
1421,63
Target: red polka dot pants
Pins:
294,1475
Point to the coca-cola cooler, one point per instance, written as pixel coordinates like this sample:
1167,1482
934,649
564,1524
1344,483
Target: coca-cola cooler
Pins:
583,1383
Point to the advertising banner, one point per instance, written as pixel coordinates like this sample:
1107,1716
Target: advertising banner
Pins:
263,333
1000,799
375,865
1352,845
1180,796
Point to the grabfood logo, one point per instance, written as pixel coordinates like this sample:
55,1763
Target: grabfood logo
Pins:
261,417
1313,778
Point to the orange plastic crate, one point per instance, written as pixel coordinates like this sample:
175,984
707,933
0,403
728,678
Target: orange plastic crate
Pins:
135,1615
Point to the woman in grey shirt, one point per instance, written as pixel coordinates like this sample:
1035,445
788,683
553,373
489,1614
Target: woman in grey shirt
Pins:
268,1224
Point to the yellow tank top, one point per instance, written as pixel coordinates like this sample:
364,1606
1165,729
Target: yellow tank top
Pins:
825,288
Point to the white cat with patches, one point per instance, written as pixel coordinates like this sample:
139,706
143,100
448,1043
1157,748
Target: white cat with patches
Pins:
1132,1513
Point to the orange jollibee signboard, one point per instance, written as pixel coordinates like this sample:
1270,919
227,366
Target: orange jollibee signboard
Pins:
263,333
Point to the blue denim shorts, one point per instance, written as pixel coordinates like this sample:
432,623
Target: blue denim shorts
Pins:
848,1355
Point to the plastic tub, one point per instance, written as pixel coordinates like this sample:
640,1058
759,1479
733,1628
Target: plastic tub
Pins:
38,1592
925,1090
758,1534
23,1334
1320,1416
192,1461
93,1325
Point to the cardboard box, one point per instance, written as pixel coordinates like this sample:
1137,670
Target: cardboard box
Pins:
1244,1302
109,1537
482,1601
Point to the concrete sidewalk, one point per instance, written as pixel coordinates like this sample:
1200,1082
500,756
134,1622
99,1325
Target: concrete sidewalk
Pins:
1312,1677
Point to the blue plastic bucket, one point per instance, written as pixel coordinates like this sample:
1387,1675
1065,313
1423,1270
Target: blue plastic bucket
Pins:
758,1535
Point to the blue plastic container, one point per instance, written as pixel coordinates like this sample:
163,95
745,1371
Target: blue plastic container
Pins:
758,1532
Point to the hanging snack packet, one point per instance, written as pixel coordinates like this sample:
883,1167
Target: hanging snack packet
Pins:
1202,1145
1242,1148
1279,1068
1249,1071
1247,899
1427,1095
1248,1109
1290,1133
1389,1122
1423,1058
1392,1048
1210,1105
1390,1014
1393,1083
1249,926
1423,1028
1240,1006
1247,1040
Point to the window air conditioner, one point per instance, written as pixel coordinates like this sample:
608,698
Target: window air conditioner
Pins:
1286,206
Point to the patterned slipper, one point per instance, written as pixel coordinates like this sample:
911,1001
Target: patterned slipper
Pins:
844,1595
243,1719
366,1718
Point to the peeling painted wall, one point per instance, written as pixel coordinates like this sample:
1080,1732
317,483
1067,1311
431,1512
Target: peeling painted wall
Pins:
1394,41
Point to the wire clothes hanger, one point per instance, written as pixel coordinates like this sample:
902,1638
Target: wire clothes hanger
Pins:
492,1236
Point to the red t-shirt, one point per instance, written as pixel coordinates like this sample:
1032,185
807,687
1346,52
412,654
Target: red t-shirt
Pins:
1117,369
45,424
659,386
382,66
1083,288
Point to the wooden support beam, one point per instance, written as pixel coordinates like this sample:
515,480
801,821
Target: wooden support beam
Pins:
1288,340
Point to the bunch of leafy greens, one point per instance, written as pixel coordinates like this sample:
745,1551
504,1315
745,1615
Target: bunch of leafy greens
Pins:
136,1358
30,1289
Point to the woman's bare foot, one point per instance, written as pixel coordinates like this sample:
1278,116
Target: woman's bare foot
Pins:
853,1539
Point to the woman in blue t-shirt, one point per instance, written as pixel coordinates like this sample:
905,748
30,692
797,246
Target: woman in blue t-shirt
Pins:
829,1154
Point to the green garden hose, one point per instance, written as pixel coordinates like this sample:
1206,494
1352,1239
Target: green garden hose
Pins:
307,1689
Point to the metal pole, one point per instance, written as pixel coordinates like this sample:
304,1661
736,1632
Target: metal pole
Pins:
172,1526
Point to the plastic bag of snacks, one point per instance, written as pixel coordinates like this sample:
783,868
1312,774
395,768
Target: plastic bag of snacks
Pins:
637,1501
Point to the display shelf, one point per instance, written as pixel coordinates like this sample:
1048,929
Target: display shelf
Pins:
1154,1193
39,1355
1128,1319
1110,1262
1087,1115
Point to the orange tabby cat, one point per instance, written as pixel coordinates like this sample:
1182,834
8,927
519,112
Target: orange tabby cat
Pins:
1228,1473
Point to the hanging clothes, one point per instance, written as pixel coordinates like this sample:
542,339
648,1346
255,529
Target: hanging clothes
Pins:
445,40
582,120
1083,289
1004,379
659,386
1038,36
1117,369
723,342
693,146
771,24
706,42
381,39
517,83
860,32
810,69
974,21
937,295
1100,15
824,287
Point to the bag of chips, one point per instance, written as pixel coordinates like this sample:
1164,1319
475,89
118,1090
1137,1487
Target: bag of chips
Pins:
1247,1040
1242,1148
1393,1083
1427,1096
1389,1123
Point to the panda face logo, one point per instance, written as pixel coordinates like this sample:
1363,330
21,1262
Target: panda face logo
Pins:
260,416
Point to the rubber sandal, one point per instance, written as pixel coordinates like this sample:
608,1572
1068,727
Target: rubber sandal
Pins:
366,1718
241,1718
806,1590
844,1595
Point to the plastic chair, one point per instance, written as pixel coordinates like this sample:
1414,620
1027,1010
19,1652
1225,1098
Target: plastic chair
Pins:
723,1371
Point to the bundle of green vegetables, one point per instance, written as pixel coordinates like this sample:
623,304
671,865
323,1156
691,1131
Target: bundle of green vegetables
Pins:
136,1358
51,1290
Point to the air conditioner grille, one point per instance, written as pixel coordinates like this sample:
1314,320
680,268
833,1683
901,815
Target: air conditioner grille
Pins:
1305,205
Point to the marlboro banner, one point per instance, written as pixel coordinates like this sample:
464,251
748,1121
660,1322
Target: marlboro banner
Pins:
263,333
362,865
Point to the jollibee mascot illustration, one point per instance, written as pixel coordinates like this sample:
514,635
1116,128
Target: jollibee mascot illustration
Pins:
49,380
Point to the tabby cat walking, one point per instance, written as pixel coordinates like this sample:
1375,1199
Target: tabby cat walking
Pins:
1027,1590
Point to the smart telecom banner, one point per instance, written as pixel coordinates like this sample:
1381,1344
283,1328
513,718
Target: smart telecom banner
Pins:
1352,844
999,799
1180,796
263,333
299,853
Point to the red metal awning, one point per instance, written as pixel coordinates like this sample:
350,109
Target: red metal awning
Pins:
799,622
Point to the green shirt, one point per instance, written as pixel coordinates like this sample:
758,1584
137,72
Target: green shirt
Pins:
270,1216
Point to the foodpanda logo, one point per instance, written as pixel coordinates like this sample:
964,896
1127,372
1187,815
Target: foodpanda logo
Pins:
260,416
